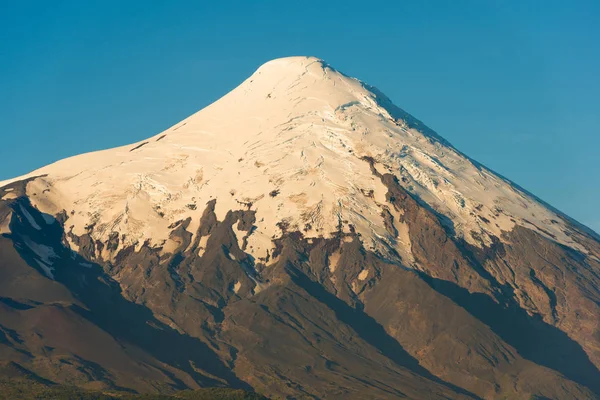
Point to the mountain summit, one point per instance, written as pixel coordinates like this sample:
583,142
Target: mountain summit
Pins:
304,237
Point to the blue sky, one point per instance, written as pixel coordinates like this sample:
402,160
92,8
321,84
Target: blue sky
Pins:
513,84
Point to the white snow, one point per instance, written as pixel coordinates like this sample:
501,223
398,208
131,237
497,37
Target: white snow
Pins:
4,224
29,218
300,128
333,261
9,196
48,219
202,245
46,268
237,287
363,275
45,255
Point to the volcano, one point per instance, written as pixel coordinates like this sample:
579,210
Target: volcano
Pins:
302,237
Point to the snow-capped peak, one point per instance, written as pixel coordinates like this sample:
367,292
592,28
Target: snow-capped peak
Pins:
290,142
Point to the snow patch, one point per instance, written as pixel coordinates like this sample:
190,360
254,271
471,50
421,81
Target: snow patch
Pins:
202,245
49,271
29,218
333,261
48,219
237,287
363,275
289,144
5,224
9,196
44,256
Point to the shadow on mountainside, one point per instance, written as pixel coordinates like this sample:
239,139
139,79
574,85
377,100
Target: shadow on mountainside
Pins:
534,339
106,307
368,329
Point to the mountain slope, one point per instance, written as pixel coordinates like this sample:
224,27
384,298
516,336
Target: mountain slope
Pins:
301,236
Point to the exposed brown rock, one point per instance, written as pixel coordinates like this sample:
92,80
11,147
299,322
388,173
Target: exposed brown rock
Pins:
366,328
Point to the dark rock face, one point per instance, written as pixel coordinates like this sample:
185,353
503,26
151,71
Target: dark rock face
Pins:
320,318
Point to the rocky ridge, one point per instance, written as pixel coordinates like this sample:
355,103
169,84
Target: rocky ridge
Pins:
303,237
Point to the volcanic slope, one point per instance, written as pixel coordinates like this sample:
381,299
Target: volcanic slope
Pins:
302,237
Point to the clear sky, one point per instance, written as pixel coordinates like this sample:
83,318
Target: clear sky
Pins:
513,84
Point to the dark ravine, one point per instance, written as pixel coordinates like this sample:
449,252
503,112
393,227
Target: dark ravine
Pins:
156,322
